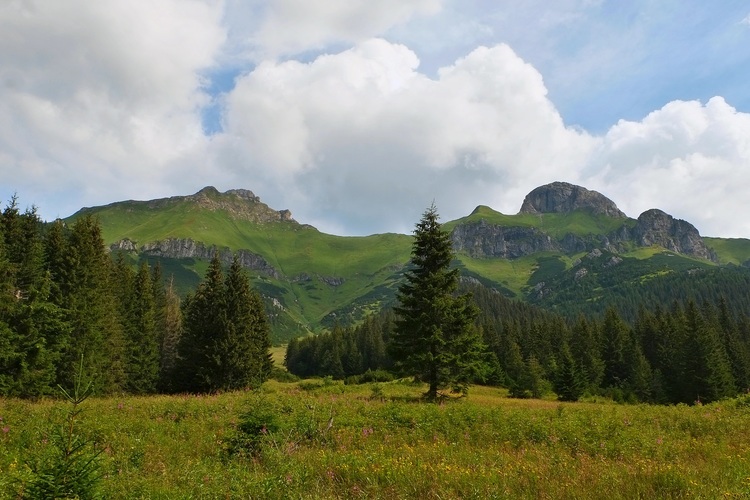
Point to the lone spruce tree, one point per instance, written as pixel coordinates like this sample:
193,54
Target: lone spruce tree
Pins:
435,339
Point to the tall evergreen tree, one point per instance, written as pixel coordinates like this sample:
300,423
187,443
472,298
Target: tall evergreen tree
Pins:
203,315
88,298
584,347
142,341
615,338
435,339
225,342
569,383
245,340
170,324
708,371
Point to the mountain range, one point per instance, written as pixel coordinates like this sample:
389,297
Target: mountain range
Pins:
568,248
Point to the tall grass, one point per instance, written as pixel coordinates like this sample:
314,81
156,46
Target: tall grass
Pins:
334,441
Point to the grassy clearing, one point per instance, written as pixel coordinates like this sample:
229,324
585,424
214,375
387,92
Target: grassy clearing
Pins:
379,441
730,250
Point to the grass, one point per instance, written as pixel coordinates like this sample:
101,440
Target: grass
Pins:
580,223
380,441
730,250
364,269
305,257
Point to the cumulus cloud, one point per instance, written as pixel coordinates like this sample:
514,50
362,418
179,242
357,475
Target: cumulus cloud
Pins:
101,101
687,158
101,95
292,26
365,135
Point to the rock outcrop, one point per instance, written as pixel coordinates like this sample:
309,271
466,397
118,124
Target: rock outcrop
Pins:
186,248
240,204
561,197
481,239
656,227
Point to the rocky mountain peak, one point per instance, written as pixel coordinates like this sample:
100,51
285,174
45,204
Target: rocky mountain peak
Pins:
240,204
655,227
562,197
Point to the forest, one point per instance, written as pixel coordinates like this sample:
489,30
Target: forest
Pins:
67,304
65,299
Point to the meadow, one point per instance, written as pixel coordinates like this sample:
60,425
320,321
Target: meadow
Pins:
324,439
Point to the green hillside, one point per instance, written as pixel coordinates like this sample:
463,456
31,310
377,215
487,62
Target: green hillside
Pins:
321,279
731,250
557,225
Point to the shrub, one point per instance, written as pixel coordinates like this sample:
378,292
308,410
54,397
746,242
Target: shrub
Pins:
70,468
255,426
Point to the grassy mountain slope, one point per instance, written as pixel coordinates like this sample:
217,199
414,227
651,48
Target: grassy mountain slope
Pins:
321,278
557,225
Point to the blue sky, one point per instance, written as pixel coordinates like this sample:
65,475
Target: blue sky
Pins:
356,114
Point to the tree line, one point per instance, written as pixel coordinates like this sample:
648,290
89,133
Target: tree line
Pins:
682,354
65,300
449,337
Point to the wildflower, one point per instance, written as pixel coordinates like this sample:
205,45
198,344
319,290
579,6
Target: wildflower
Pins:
6,429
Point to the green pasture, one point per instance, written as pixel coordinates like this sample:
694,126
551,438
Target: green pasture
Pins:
323,439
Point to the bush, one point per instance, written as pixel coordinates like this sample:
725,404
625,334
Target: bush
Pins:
370,376
254,427
282,375
70,468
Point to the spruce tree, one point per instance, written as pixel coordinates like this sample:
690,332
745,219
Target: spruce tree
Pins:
203,314
615,339
170,325
245,340
88,297
569,384
225,342
435,339
143,344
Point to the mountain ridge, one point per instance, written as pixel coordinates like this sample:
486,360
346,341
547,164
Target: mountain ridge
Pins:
312,280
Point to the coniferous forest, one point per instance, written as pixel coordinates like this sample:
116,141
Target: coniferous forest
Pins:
685,353
65,301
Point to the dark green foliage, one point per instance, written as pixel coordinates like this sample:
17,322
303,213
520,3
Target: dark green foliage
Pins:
342,352
89,300
569,384
246,342
435,339
225,341
169,328
615,340
32,330
70,468
255,427
142,339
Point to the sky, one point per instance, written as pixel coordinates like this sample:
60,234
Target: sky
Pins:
357,114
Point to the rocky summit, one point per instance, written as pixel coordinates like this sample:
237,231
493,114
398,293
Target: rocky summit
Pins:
561,197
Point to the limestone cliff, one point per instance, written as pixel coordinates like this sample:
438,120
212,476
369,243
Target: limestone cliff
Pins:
561,197
482,239
186,248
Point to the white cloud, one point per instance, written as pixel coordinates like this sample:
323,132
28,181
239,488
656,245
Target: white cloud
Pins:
364,135
99,97
101,101
746,20
689,159
292,26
